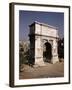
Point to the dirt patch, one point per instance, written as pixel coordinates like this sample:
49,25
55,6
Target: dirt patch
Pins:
47,71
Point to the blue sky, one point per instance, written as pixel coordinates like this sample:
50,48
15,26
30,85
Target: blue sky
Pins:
28,17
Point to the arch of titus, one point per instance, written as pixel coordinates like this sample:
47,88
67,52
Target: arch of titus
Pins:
43,43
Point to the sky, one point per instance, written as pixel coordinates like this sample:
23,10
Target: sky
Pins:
28,17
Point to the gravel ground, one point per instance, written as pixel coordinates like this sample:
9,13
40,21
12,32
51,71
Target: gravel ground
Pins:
47,71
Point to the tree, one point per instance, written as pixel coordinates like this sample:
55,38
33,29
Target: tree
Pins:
61,48
23,52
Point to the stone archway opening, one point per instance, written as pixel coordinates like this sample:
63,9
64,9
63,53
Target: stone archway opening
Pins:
47,52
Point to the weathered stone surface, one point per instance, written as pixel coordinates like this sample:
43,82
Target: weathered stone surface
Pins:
41,35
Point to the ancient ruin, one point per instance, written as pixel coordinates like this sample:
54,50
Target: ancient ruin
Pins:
43,43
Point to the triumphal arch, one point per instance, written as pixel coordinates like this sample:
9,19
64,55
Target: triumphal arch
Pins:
43,43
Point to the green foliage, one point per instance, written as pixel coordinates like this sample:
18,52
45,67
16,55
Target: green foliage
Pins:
61,48
23,54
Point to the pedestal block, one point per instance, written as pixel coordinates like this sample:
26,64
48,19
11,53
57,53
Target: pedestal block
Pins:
54,59
39,61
